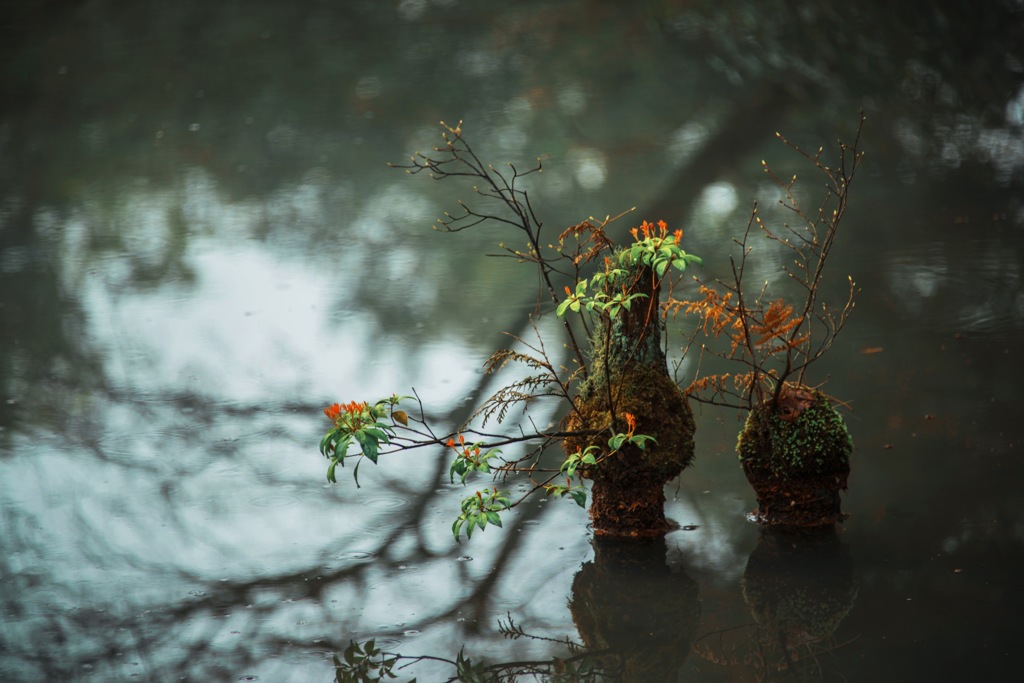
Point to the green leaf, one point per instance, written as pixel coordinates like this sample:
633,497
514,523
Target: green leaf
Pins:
355,473
368,444
326,441
560,311
660,268
341,447
377,433
330,471
679,264
589,459
580,496
493,518
641,440
615,443
457,527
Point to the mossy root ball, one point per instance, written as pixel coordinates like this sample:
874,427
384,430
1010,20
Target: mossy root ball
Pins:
796,457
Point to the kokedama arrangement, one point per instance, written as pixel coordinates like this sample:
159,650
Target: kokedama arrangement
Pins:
628,426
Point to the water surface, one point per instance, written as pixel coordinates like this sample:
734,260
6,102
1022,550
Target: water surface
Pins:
201,246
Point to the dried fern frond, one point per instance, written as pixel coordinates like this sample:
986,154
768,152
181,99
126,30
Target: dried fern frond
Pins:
776,323
714,310
521,392
503,357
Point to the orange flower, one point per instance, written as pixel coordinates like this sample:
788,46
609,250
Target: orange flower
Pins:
633,232
355,407
645,227
332,412
568,291
663,226
631,421
679,235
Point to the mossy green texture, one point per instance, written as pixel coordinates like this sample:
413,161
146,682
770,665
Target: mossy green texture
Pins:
815,442
661,411
619,346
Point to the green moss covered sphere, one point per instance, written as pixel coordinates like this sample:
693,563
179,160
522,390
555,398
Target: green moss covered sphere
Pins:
814,441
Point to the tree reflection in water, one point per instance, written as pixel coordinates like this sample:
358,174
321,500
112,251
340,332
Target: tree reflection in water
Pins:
799,586
636,617
639,620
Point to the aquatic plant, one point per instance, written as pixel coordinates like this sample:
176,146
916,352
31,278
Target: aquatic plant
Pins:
815,441
795,447
626,422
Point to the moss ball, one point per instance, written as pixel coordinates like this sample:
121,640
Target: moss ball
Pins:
810,442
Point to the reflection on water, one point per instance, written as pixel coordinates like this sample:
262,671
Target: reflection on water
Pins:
799,590
629,603
635,615
638,619
201,245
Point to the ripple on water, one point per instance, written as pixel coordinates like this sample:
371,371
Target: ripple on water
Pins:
139,445
354,555
389,502
273,501
383,512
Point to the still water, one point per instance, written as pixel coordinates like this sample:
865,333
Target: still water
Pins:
201,245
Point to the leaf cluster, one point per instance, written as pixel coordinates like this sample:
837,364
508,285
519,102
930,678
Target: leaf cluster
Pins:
600,301
592,457
360,424
365,663
657,249
481,509
469,458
